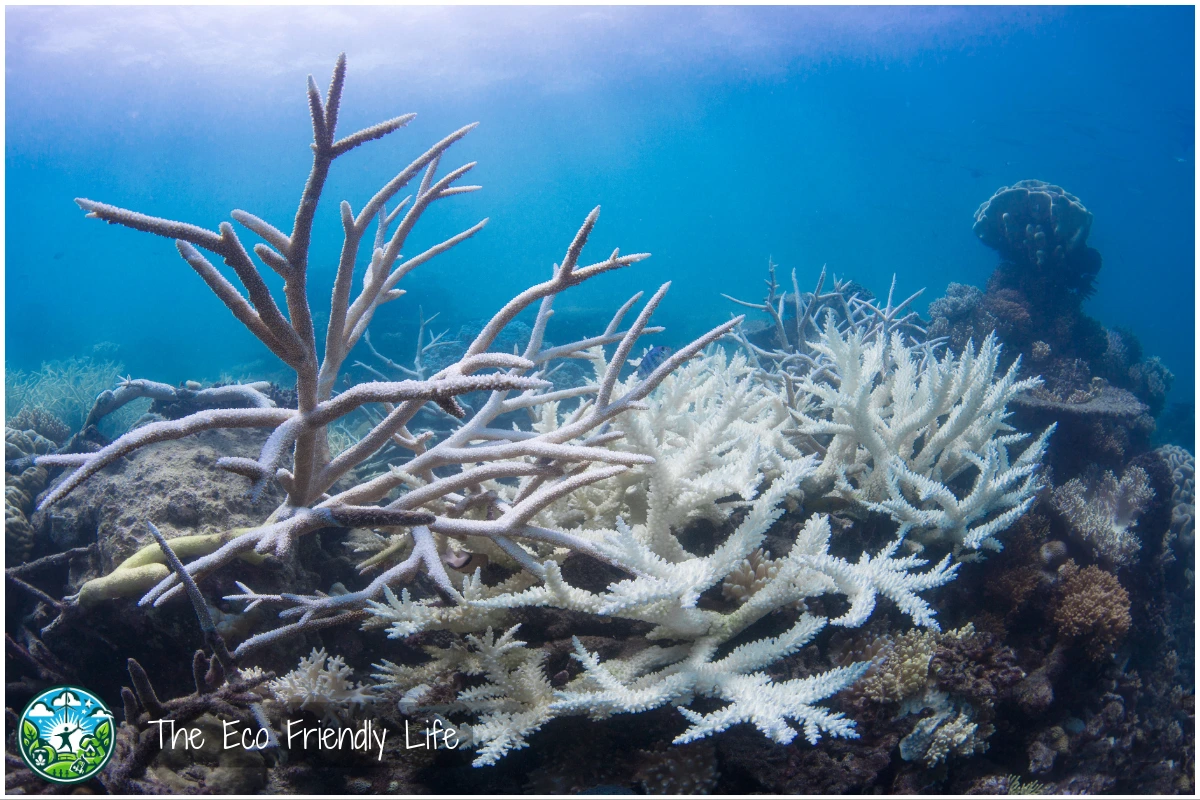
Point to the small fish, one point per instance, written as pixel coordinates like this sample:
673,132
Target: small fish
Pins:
651,361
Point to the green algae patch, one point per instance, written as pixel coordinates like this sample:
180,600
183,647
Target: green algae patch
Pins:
141,571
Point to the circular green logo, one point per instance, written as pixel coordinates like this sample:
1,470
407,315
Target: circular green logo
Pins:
66,734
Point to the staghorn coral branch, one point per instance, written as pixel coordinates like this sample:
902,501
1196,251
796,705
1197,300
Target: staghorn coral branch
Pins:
211,637
156,432
377,131
564,277
296,629
232,299
343,329
492,488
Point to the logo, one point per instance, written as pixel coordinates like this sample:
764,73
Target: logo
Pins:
66,734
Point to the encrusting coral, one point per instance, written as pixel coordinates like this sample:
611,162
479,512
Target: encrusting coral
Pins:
612,473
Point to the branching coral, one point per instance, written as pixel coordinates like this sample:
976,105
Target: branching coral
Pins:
65,389
792,346
548,466
903,432
321,684
1102,515
613,471
666,593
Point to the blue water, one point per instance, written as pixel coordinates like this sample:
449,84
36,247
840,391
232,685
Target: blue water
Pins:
712,137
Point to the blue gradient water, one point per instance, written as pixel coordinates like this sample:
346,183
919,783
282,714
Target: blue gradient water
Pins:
712,138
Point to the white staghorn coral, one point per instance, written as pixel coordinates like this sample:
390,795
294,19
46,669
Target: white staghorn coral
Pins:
441,501
617,687
1103,514
666,593
901,428
713,434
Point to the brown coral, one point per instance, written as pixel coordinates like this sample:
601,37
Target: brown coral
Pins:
42,422
749,576
1092,607
686,769
21,489
978,666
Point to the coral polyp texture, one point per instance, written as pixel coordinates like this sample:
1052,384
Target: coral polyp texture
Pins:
1104,515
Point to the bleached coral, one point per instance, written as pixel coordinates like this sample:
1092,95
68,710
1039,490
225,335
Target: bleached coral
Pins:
614,471
443,503
666,593
1103,514
713,434
901,429
322,684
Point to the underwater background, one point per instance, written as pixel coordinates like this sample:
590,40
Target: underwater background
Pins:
712,138
1035,624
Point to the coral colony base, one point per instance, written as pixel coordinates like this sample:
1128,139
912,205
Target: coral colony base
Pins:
724,509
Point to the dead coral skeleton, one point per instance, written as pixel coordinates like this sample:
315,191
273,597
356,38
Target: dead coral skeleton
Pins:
547,466
794,350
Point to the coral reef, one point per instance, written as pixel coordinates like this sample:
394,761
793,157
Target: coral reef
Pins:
1042,229
609,573
902,430
1033,303
1093,608
1102,514
66,389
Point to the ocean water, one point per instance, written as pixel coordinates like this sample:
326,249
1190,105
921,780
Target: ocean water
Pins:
712,138
717,139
